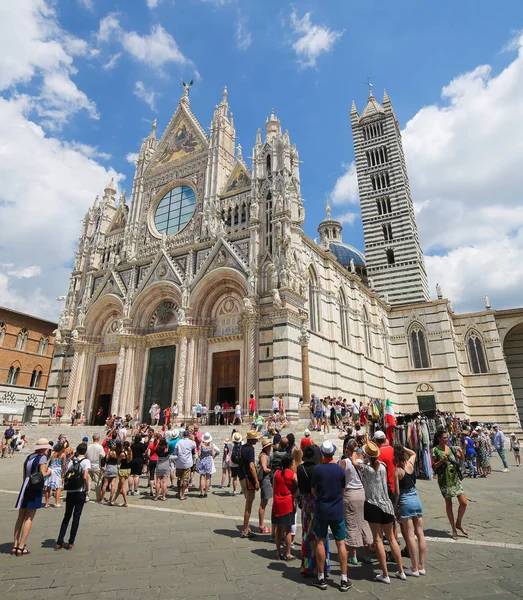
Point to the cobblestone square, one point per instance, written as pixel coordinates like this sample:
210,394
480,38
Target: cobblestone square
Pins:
193,549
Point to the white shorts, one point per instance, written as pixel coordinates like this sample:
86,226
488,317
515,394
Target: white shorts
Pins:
172,464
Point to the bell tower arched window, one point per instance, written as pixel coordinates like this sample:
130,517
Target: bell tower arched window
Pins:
476,353
418,347
268,222
12,375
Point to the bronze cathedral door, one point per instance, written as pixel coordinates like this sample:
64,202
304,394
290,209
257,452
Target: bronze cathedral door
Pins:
160,376
225,381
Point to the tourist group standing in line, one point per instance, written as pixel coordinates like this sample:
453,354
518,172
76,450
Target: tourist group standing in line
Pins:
358,499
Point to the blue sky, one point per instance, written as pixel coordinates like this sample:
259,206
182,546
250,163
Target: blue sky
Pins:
104,70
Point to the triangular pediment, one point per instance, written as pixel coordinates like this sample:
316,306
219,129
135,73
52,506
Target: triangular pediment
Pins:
239,180
222,254
183,138
111,284
119,220
163,268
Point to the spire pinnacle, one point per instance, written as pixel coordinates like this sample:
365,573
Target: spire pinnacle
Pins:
224,95
258,136
153,129
239,151
353,108
328,208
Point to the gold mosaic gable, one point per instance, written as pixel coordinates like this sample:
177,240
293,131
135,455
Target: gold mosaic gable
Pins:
239,180
183,138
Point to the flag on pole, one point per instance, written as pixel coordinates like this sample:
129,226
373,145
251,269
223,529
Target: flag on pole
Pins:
390,421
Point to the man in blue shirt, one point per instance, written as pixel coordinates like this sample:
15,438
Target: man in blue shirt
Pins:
328,483
499,444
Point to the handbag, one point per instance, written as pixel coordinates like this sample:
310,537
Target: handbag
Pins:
36,479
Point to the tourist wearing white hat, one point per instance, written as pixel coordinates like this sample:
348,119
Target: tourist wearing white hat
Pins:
208,452
174,439
30,496
306,439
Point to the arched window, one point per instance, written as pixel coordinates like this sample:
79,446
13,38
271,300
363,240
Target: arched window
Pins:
12,375
34,375
476,353
418,347
2,333
385,343
43,344
390,256
269,165
367,339
268,222
344,319
314,302
21,339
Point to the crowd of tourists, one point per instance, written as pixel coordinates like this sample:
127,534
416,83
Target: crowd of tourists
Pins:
361,497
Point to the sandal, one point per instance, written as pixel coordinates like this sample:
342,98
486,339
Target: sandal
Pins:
246,534
58,546
264,529
23,551
14,550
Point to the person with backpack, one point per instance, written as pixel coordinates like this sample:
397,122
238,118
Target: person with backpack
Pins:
76,484
236,449
30,497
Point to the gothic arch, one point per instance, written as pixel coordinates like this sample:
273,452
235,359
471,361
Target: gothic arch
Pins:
477,356
418,346
107,307
344,317
148,300
367,333
513,350
314,300
213,288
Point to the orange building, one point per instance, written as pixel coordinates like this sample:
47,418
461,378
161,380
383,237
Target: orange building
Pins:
26,352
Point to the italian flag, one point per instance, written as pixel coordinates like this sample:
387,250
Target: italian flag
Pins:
390,421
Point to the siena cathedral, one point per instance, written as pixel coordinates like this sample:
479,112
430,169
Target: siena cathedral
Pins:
204,287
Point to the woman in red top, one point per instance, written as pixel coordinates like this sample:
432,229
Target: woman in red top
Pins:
285,486
153,461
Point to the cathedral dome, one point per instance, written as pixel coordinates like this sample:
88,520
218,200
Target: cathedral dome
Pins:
344,253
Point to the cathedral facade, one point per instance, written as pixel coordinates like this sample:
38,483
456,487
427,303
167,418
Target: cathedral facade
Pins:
204,287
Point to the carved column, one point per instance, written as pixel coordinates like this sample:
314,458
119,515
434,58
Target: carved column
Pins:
305,381
249,326
75,380
115,402
182,363
196,370
190,398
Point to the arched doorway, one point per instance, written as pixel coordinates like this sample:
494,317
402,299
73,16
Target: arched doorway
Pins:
513,349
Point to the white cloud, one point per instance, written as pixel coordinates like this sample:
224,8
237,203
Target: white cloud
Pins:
243,35
313,40
464,159
153,3
132,157
346,187
33,44
148,96
111,63
347,218
26,272
89,4
155,49
109,26
87,150
46,189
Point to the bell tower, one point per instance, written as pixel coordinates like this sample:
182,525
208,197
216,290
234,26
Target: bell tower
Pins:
392,249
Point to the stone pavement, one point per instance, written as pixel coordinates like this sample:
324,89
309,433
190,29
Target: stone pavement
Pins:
192,549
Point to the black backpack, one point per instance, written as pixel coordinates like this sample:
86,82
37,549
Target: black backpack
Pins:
236,454
74,477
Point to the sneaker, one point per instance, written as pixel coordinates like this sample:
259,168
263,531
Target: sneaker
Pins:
422,572
87,499
401,576
233,493
382,578
410,573
505,471
319,583
345,585
293,546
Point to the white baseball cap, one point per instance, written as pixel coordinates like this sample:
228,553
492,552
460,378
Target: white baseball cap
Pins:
306,433
379,435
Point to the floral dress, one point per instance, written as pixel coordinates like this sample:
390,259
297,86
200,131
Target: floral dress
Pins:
206,462
483,458
54,481
448,479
